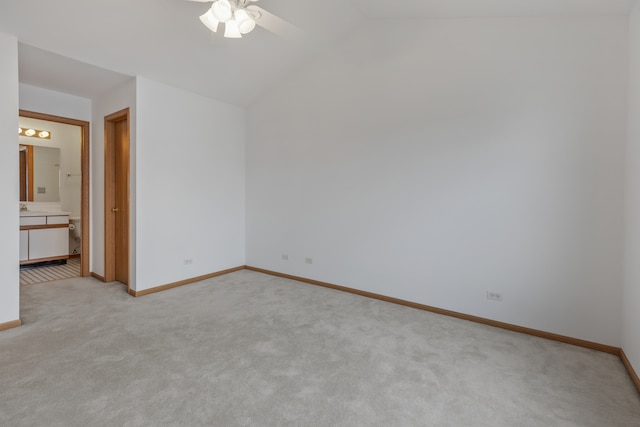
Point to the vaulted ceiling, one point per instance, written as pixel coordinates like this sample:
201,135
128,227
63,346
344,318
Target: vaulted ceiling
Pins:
85,47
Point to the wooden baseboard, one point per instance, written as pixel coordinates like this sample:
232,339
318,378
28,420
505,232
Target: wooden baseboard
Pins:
476,319
74,256
630,370
97,276
9,325
183,282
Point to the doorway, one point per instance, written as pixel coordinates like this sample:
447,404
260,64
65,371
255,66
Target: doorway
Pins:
116,191
63,177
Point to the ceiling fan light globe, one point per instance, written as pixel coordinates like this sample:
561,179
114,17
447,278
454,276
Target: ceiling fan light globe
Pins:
210,21
221,10
231,30
245,23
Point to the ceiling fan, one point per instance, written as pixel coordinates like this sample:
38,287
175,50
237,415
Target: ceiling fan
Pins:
240,17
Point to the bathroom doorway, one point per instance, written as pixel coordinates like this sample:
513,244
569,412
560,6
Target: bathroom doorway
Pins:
69,145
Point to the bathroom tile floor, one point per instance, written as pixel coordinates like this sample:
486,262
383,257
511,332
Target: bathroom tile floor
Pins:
48,273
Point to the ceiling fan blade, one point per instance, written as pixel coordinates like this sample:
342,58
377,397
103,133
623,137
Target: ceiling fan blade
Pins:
276,25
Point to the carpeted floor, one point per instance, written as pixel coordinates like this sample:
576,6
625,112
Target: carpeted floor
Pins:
247,349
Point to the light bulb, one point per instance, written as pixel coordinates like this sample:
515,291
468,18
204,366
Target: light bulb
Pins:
30,132
221,9
231,29
19,131
210,21
43,134
245,23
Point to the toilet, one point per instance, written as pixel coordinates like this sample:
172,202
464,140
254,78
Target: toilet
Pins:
74,226
75,232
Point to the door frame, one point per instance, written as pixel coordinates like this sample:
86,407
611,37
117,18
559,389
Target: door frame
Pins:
110,194
84,172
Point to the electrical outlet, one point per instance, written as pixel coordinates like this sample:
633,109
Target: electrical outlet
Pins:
188,261
494,296
308,260
285,257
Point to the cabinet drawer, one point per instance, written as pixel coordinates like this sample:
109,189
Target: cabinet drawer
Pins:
33,220
58,219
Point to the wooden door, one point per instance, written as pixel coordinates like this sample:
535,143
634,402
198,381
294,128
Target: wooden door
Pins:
117,197
121,166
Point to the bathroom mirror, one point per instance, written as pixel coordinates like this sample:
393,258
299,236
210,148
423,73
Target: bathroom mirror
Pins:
39,174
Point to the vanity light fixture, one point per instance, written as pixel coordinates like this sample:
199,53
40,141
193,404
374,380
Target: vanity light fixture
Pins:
42,134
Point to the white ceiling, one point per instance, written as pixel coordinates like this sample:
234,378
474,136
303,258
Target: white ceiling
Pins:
49,70
86,47
486,8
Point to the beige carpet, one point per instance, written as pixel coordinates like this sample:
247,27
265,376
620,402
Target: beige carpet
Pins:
248,349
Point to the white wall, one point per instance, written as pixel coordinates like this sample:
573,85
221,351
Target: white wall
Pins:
435,160
47,101
190,185
631,294
9,213
111,102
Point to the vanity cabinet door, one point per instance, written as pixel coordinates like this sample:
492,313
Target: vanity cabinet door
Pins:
48,243
24,245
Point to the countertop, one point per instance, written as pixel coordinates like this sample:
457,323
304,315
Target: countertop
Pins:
41,213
